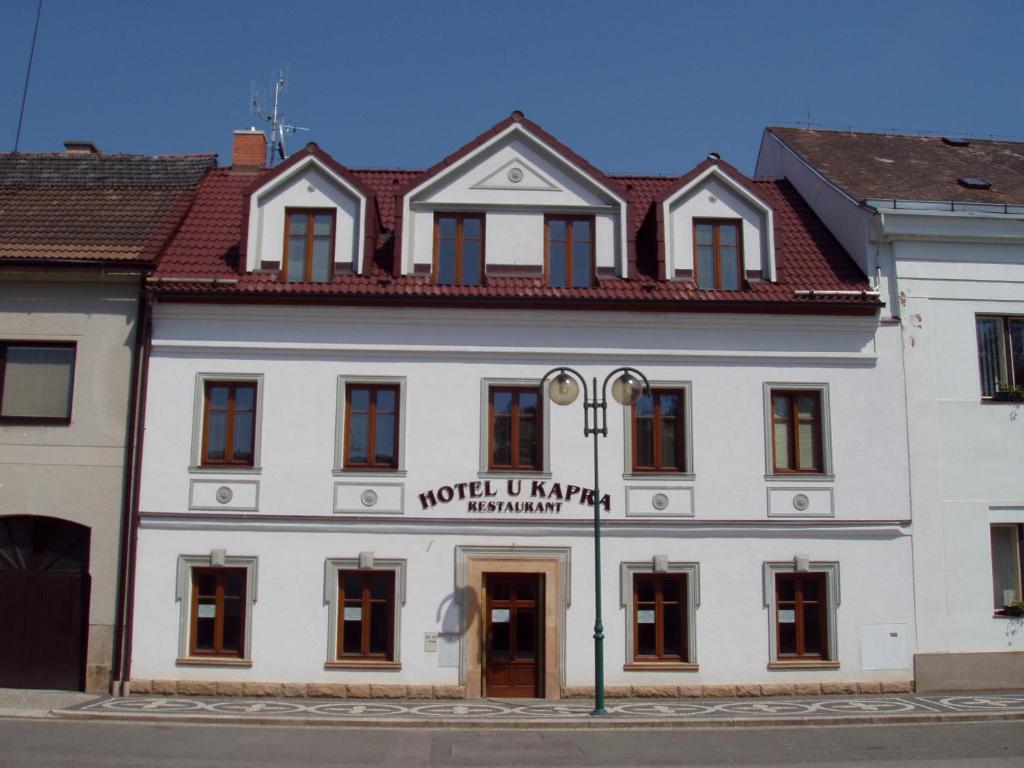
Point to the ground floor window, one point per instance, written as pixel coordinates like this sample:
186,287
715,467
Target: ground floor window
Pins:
218,612
1007,551
366,621
802,598
659,616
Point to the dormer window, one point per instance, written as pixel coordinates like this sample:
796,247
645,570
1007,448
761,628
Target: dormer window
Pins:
309,245
569,251
458,248
718,246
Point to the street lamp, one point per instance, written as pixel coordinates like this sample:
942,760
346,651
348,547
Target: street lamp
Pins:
563,390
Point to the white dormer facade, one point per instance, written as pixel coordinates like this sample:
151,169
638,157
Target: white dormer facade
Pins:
514,182
714,199
309,185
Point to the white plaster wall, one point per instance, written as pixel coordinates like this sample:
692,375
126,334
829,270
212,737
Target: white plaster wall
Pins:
309,188
966,453
290,620
714,200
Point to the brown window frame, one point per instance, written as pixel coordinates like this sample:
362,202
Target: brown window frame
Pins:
365,602
229,426
1010,378
569,218
371,437
218,631
656,418
460,218
40,420
659,617
515,466
310,213
793,421
716,225
797,605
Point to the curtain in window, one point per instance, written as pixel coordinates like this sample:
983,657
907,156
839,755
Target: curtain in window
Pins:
37,382
990,354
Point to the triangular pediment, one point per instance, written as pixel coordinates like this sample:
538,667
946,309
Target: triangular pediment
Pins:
517,175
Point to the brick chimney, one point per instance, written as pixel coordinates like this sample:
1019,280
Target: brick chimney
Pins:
249,149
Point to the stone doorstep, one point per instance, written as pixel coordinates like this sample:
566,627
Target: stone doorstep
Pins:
418,692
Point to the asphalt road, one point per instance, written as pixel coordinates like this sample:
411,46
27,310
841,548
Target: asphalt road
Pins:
41,744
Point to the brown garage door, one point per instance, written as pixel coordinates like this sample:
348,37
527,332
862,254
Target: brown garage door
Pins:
44,602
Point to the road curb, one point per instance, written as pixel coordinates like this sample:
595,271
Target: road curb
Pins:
603,723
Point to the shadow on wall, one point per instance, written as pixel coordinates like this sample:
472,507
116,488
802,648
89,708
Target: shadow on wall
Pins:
463,601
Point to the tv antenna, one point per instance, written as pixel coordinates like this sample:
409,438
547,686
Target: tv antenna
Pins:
278,127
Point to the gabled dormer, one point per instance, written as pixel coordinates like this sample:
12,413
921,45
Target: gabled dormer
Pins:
308,219
513,202
715,229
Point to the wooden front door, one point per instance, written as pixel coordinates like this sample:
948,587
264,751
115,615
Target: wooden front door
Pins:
44,602
514,624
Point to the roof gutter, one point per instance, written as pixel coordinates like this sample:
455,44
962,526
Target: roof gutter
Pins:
813,294
192,281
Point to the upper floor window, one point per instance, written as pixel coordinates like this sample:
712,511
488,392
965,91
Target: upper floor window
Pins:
796,430
514,429
229,423
569,251
309,245
371,426
658,431
718,259
1001,355
36,381
458,248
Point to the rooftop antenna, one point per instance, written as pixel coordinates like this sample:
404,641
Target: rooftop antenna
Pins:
278,127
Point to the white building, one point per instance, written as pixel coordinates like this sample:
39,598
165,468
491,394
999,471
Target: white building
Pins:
351,486
941,221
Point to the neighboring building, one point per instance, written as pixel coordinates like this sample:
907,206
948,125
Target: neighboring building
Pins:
349,480
78,232
941,222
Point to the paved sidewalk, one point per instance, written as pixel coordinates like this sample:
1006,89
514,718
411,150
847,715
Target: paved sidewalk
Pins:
16,702
533,714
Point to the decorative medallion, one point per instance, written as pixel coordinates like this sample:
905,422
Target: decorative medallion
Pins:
224,494
801,502
659,501
515,175
368,497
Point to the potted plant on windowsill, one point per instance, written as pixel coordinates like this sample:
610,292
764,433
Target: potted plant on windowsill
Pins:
1005,392
1013,608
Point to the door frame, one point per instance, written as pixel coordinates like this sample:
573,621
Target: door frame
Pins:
472,562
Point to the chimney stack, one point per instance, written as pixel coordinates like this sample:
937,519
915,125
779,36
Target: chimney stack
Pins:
249,149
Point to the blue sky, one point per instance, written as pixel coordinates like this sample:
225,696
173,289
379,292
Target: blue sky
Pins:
635,87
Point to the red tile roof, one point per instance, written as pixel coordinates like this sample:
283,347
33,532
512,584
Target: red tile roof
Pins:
890,166
202,259
96,207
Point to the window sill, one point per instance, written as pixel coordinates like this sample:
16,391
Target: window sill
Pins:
512,474
36,421
682,477
363,664
660,666
1003,614
227,469
804,664
1001,399
369,473
801,477
212,661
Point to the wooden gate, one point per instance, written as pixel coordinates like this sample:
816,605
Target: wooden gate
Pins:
44,603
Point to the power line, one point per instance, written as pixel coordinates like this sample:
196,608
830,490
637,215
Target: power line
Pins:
28,73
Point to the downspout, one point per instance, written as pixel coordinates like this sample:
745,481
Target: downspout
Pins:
130,524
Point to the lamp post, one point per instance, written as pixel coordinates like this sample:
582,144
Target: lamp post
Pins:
563,390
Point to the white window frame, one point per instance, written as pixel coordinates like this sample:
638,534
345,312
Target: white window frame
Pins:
366,562
339,425
198,411
485,448
661,564
827,470
627,431
832,595
183,594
